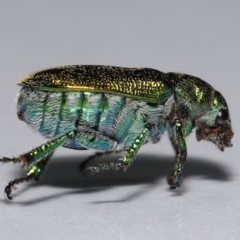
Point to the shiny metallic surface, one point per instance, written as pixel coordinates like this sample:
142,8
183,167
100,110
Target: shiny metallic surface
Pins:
142,83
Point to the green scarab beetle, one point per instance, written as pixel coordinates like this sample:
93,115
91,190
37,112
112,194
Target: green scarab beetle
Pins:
117,109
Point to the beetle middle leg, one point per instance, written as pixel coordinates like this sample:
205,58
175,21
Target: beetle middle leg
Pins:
128,157
175,177
92,158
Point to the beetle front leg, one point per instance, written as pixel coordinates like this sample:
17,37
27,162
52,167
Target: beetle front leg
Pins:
175,177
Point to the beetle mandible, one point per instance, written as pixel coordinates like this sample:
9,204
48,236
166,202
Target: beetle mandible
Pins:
117,109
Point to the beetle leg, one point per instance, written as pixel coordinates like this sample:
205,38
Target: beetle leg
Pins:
33,172
92,158
91,139
35,160
40,166
37,154
128,157
175,177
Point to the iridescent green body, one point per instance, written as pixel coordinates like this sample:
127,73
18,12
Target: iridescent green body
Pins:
113,109
140,83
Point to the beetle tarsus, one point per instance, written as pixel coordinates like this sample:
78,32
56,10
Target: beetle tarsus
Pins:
83,165
11,184
106,167
8,191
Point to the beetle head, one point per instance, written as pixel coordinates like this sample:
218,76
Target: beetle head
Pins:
215,125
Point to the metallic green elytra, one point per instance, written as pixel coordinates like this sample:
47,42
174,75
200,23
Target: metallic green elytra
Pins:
115,109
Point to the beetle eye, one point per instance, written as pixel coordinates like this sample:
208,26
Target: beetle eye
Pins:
222,117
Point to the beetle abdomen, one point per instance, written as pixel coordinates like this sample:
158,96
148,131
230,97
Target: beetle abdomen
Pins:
119,118
55,113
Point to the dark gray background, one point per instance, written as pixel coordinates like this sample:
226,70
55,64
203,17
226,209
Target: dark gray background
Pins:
201,38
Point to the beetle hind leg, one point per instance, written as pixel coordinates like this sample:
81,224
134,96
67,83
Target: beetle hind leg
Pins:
19,159
34,172
35,161
32,157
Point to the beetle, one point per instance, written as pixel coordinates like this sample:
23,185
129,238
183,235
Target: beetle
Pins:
113,109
